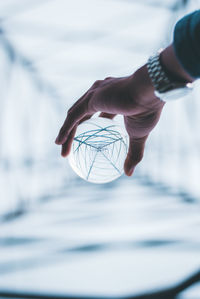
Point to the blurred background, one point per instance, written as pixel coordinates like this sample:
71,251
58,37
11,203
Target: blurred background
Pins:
61,237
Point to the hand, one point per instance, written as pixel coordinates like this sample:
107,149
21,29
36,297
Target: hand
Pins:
133,97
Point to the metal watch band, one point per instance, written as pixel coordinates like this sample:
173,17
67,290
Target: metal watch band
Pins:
158,76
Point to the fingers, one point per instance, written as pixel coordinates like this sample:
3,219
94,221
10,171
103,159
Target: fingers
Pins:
86,94
77,112
71,120
135,154
66,147
74,116
84,119
107,115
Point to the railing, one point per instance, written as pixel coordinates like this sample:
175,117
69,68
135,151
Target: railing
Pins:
29,123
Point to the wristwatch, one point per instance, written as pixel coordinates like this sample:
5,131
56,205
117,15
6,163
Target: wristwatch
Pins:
166,88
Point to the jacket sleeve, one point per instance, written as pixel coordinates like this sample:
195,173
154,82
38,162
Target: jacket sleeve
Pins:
187,43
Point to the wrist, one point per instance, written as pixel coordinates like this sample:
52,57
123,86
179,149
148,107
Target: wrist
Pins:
170,80
172,66
143,90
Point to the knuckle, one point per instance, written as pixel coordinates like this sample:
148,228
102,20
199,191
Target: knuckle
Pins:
90,93
97,83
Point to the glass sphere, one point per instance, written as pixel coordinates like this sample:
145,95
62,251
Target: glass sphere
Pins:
99,150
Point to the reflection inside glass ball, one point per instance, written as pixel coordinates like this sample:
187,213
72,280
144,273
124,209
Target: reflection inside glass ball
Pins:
99,150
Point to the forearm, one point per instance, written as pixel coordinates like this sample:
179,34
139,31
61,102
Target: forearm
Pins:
181,59
187,43
172,65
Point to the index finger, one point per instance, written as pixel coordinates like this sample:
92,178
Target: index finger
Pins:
73,117
77,112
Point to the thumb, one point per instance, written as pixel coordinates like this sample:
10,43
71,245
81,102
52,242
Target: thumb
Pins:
135,154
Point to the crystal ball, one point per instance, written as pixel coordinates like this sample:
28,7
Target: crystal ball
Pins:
99,150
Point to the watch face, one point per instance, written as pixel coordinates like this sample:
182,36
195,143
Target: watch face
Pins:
174,94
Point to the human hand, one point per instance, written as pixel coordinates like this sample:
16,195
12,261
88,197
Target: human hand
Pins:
133,97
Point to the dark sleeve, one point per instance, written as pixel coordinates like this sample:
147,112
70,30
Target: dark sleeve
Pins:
187,43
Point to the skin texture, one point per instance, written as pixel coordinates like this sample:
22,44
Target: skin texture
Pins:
133,97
